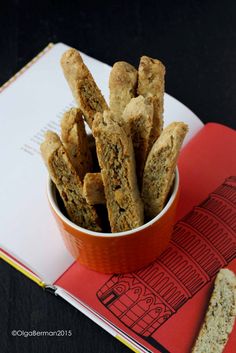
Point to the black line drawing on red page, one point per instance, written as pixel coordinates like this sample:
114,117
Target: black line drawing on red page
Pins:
202,242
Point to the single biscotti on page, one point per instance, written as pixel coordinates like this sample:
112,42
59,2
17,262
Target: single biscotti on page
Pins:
85,91
122,85
93,189
160,166
220,316
68,183
75,141
138,115
116,158
151,81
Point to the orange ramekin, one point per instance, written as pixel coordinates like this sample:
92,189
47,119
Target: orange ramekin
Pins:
117,252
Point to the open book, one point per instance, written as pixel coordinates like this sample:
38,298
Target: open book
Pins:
159,308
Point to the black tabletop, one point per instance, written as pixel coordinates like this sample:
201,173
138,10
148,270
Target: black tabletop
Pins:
196,42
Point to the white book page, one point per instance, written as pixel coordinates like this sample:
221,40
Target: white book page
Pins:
32,104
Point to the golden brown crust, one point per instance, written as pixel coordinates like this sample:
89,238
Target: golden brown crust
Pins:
85,91
93,189
117,162
75,141
151,74
138,115
151,81
160,166
68,183
122,85
220,316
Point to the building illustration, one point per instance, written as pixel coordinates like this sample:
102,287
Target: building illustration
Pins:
202,242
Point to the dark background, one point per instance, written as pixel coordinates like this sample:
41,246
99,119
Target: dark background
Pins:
197,42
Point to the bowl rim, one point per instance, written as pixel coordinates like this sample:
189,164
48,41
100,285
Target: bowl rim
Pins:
51,193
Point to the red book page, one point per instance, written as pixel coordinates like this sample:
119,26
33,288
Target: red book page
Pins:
162,305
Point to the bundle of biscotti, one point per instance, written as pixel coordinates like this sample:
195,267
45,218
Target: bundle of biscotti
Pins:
136,158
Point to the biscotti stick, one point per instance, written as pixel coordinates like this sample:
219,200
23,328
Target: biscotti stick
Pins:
85,91
68,183
160,166
93,189
138,115
151,81
75,141
116,158
122,85
220,316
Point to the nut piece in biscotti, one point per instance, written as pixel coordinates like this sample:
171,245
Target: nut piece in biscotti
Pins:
116,158
85,91
93,189
122,85
68,183
151,81
220,316
138,115
75,141
160,167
